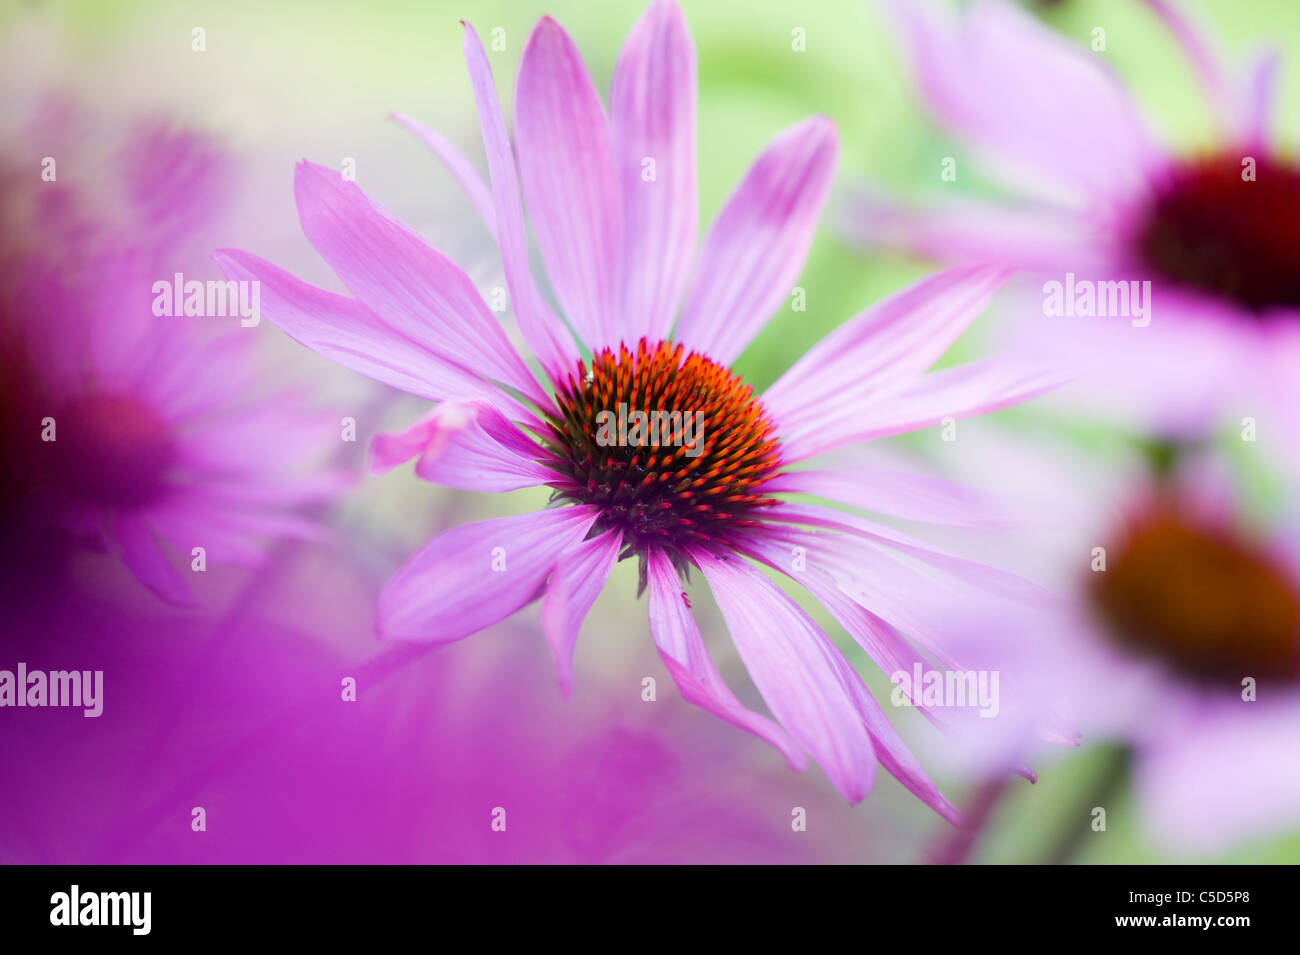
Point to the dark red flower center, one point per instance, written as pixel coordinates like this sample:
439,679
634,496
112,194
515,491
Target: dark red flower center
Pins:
1226,229
672,448
111,451
1206,600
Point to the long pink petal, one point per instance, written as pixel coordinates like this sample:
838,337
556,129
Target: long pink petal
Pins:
972,389
466,445
1034,237
461,169
793,665
1206,61
577,580
895,340
899,595
757,246
476,575
992,579
546,335
887,649
890,749
652,117
896,493
344,330
1049,113
566,167
684,654
1260,98
788,552
397,274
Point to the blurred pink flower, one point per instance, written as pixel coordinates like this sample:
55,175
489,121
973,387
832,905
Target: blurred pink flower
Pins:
1180,637
613,206
136,434
1090,195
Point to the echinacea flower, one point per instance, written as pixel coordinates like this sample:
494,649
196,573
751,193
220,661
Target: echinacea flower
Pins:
1087,194
1179,639
137,435
662,326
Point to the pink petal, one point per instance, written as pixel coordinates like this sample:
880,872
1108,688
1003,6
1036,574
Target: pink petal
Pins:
888,650
143,554
176,180
347,332
545,333
682,649
913,497
566,166
883,643
895,340
1223,776
461,169
1261,99
896,593
794,666
577,580
972,389
986,577
759,242
890,749
1035,237
476,575
226,528
1205,60
1048,111
652,116
466,445
423,294
390,449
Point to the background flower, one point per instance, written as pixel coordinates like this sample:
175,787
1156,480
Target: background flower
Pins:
1086,187
1176,652
140,434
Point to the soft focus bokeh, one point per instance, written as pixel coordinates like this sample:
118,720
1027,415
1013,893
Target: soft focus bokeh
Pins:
235,704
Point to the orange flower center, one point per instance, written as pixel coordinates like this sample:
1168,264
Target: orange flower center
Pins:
673,448
1203,599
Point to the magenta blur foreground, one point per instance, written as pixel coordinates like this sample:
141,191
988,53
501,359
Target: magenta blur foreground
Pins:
236,741
663,327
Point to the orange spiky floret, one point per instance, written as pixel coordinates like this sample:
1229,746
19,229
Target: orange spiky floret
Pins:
680,485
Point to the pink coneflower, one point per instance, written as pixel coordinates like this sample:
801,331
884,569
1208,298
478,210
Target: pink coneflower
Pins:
1088,192
137,435
617,243
1179,639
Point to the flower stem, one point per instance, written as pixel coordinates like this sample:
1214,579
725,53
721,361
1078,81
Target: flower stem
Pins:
958,842
1110,780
